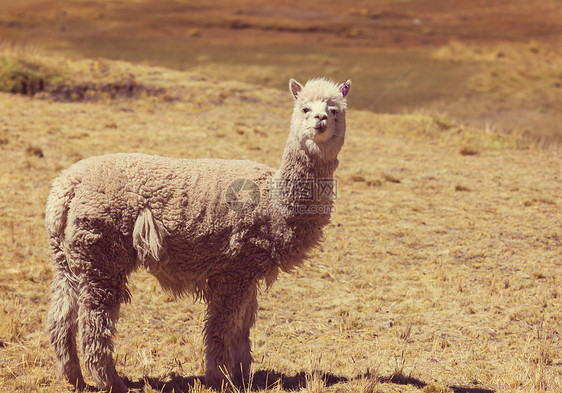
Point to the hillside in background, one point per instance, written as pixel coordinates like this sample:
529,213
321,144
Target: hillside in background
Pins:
495,65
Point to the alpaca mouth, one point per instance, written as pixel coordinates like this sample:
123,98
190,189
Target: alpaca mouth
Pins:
320,128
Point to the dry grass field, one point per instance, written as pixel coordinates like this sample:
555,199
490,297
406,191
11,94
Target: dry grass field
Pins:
441,271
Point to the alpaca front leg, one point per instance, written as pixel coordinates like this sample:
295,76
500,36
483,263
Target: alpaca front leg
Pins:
228,299
218,359
242,346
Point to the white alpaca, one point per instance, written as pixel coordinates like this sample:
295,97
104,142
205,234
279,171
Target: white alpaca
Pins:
184,222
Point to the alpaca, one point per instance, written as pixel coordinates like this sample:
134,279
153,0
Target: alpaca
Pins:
186,223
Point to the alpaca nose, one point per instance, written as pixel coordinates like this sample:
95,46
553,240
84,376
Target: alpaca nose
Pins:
321,116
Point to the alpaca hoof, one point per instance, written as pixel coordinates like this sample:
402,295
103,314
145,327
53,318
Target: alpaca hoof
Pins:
115,386
118,388
81,387
216,383
78,383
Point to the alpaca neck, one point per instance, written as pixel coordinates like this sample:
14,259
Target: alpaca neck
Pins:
298,164
299,216
298,172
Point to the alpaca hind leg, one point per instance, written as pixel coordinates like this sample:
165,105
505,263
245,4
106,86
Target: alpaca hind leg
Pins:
99,311
62,322
105,260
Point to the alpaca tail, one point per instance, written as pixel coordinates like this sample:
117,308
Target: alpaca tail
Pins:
149,241
58,203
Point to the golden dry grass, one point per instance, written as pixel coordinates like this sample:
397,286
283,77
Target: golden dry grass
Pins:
440,271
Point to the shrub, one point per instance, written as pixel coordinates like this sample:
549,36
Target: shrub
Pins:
25,77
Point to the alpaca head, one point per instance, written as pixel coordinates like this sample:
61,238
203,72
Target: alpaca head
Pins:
318,121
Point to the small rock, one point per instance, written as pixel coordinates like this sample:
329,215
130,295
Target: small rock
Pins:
34,151
388,324
390,178
194,33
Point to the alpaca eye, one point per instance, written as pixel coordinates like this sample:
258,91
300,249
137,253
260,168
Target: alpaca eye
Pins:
334,111
306,110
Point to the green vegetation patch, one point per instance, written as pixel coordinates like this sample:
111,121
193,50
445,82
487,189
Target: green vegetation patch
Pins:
26,77
82,81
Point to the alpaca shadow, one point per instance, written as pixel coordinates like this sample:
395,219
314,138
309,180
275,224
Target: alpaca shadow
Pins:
261,379
265,379
176,383
400,379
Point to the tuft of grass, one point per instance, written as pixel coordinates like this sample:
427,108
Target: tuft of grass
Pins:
437,388
10,326
34,151
315,380
468,151
371,381
461,188
390,178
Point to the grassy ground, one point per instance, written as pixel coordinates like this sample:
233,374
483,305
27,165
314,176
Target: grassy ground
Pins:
440,271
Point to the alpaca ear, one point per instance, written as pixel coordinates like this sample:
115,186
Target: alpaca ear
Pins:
344,88
295,88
